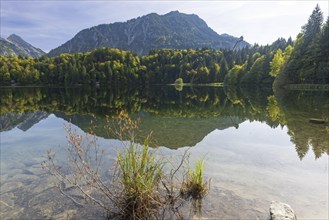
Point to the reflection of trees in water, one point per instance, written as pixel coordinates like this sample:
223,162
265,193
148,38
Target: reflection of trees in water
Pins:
81,100
207,108
314,136
299,109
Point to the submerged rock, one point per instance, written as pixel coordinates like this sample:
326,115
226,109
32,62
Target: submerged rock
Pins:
281,211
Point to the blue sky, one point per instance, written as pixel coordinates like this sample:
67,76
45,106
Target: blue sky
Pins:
48,24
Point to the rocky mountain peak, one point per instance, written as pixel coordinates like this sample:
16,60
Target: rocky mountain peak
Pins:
14,45
174,30
15,38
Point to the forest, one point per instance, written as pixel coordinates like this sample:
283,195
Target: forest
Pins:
304,60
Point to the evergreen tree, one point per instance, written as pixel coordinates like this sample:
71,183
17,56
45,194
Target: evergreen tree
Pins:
322,51
223,69
313,26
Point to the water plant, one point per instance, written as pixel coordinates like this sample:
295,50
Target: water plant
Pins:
194,186
139,174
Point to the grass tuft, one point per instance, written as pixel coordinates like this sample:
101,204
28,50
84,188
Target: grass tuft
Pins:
194,187
139,173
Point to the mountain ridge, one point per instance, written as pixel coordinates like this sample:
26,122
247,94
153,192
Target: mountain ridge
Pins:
14,45
173,30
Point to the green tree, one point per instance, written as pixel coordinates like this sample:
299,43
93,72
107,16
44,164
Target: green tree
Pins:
179,81
223,69
313,26
322,58
4,76
254,75
233,76
302,65
276,63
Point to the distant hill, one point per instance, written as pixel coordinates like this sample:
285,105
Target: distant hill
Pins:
14,46
173,30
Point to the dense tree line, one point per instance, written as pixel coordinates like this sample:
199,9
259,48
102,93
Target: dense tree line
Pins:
309,60
306,60
101,65
193,66
114,66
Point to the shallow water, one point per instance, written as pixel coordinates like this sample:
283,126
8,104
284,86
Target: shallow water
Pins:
257,150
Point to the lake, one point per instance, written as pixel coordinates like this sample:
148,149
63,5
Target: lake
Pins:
258,145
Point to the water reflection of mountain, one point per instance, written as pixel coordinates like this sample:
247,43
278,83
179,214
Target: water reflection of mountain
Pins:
179,132
180,118
23,121
173,132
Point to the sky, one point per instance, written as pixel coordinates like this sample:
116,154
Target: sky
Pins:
47,24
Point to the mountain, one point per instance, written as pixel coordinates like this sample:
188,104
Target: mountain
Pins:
152,31
9,49
15,46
